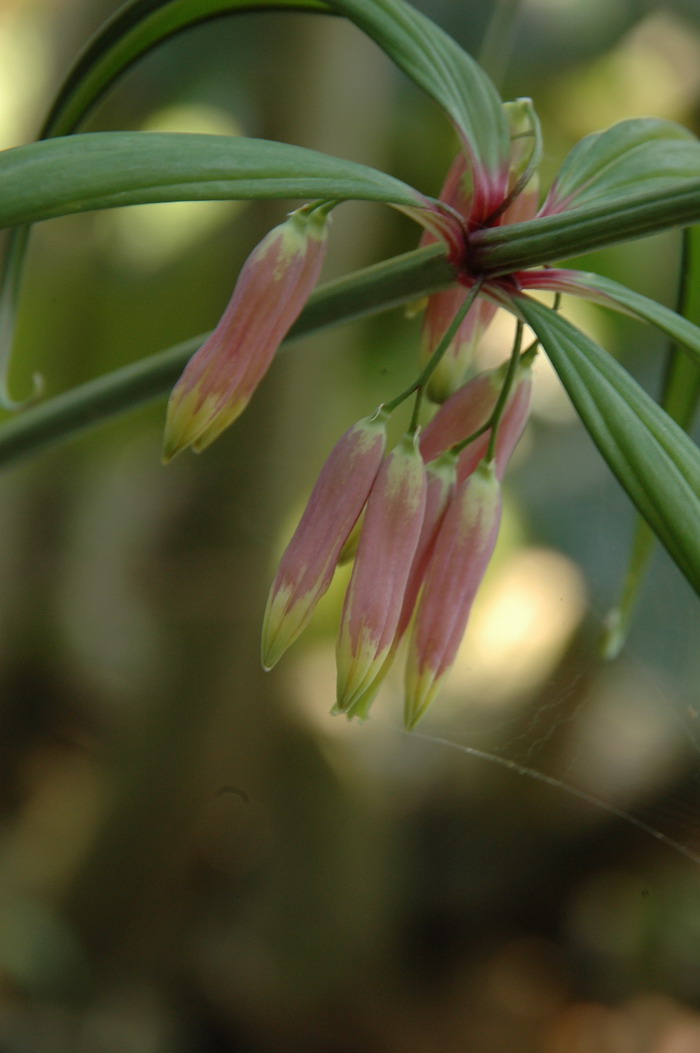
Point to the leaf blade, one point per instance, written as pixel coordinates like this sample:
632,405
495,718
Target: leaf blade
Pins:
83,172
654,460
642,152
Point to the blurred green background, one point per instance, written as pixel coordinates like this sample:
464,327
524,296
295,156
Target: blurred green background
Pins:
194,855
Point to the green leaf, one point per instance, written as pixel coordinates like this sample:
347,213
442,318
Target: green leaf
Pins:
681,388
428,55
79,173
643,154
680,396
608,293
135,29
652,457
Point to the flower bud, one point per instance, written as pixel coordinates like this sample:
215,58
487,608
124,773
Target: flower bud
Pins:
272,288
440,479
307,566
467,410
374,599
462,552
470,408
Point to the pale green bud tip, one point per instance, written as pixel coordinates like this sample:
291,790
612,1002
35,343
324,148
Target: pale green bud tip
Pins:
520,114
420,696
305,223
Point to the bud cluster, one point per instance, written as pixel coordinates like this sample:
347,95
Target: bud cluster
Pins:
431,518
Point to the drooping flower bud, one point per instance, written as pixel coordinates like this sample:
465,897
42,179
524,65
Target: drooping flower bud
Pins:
272,288
467,410
440,480
307,566
374,599
470,408
460,557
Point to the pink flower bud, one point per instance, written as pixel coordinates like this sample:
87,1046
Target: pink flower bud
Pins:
307,566
441,477
469,409
272,288
462,414
374,599
462,552
440,480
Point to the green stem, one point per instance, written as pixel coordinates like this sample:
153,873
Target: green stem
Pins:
368,291
496,413
504,392
430,367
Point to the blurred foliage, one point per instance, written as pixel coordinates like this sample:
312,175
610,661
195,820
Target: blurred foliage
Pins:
194,856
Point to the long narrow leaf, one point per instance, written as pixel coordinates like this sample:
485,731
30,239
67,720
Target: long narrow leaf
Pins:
679,398
132,32
420,48
78,173
653,459
681,390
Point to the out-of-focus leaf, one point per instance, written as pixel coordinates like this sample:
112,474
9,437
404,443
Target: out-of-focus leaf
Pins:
133,30
652,457
434,61
644,153
427,54
79,173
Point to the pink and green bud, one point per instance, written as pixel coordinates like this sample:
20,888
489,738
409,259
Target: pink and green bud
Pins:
307,566
441,478
469,409
271,291
440,481
374,599
462,552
